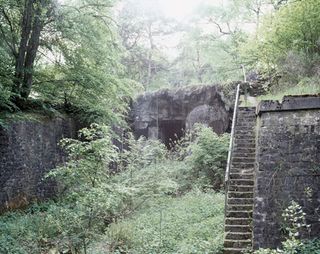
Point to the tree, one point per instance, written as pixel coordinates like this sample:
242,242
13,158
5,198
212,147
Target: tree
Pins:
292,28
142,30
64,54
209,48
23,40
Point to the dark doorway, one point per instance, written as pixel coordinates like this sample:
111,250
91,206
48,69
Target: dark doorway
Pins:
171,130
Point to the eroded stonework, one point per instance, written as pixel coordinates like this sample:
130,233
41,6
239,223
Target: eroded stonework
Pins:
167,112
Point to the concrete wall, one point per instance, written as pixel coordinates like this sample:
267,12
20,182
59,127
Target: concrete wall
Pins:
288,162
28,149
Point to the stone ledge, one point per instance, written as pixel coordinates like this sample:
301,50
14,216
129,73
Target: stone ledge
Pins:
290,103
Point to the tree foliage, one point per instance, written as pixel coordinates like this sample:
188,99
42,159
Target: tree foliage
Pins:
288,42
64,54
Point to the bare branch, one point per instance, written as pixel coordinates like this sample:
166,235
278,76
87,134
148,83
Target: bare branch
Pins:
219,27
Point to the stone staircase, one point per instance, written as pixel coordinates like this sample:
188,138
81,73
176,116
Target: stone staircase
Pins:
239,200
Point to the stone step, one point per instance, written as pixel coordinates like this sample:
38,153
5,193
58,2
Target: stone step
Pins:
241,176
249,108
237,244
251,141
244,137
236,194
239,214
248,124
234,250
244,146
242,165
245,140
246,116
238,228
245,143
245,127
240,207
238,235
244,132
246,113
237,153
238,221
240,188
235,170
241,182
243,159
241,153
240,201
248,135
242,116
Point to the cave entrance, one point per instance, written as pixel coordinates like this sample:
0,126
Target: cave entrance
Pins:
171,130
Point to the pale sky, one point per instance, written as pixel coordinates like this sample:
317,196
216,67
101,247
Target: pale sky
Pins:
179,9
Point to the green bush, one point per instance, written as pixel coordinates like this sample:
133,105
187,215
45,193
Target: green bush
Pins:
208,157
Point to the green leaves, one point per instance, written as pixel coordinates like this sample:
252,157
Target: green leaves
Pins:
208,156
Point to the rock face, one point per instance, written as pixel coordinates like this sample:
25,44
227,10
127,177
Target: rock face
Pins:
165,114
29,149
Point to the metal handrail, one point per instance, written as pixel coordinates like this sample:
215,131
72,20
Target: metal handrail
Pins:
234,119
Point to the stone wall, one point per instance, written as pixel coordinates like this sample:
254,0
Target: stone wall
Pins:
165,113
288,166
28,149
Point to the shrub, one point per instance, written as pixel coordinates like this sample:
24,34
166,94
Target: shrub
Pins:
208,157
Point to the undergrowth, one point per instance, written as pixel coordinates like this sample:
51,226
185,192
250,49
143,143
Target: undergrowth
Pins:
189,224
152,201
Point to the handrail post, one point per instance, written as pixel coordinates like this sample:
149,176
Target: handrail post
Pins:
234,119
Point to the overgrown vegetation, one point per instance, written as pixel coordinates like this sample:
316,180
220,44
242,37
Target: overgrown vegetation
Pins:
104,211
90,57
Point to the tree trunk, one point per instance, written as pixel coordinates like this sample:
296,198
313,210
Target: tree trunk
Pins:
32,24
32,49
25,33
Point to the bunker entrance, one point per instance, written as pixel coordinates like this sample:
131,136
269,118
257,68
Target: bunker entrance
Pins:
171,130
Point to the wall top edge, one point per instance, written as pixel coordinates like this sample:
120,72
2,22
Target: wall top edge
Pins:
290,103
